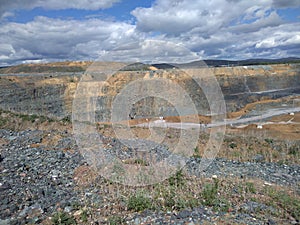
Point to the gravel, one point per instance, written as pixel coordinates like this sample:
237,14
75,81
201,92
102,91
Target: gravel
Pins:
36,181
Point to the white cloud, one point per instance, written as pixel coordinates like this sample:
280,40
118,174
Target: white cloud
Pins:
8,5
206,16
286,4
280,38
64,39
151,51
181,30
271,20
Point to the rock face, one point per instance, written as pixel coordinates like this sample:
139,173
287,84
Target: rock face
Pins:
41,94
52,94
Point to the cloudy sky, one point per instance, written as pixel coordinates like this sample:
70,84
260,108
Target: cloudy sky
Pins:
147,30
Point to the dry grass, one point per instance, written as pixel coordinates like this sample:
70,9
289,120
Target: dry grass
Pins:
185,192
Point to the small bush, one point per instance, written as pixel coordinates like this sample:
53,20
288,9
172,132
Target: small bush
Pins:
294,150
209,193
62,218
232,145
250,187
290,204
3,121
210,197
115,220
138,202
177,179
269,140
66,119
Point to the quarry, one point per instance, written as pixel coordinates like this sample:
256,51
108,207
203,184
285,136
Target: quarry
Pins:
254,178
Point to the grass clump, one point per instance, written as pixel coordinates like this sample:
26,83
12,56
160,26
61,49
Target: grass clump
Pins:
250,188
139,202
294,150
287,202
3,121
232,145
177,179
210,197
115,220
62,218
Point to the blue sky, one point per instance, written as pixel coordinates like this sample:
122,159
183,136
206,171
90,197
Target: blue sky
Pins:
150,30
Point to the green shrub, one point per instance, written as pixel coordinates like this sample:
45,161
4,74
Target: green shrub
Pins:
209,193
210,197
62,218
250,187
232,145
177,179
138,202
290,204
294,150
3,121
269,140
115,220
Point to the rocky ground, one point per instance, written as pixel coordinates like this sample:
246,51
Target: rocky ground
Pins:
42,183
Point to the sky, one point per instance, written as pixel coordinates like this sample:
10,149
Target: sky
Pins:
33,31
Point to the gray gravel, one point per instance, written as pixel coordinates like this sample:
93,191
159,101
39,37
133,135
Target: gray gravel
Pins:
35,182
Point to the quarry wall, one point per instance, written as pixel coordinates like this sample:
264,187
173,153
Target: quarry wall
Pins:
52,94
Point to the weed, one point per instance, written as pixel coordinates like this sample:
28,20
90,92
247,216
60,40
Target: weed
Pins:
66,119
250,188
196,153
3,121
232,145
84,216
138,202
210,197
62,218
30,118
141,162
290,204
115,220
209,193
294,150
221,204
177,179
269,140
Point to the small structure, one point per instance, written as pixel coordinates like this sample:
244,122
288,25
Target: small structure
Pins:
259,127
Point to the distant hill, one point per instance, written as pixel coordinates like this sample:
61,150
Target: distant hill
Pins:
66,66
219,62
69,66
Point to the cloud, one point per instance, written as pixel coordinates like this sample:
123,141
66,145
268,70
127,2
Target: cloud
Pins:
151,51
62,39
286,4
9,5
271,20
175,17
168,31
55,39
280,38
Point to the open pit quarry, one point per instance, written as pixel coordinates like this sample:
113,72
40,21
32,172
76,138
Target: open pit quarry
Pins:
46,178
51,94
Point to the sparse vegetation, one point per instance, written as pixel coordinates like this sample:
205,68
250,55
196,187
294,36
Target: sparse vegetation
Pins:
289,203
177,179
115,220
138,202
62,218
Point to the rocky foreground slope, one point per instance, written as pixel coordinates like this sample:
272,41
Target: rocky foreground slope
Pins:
44,183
